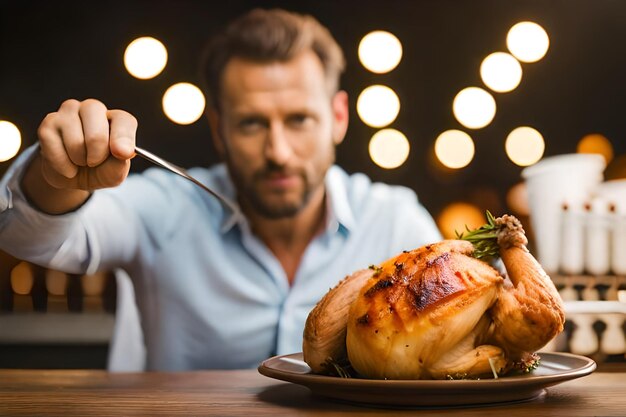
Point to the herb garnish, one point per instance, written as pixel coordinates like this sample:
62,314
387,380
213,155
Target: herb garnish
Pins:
377,270
342,369
484,239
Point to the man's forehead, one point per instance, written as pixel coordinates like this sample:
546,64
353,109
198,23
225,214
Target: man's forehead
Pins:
302,68
302,72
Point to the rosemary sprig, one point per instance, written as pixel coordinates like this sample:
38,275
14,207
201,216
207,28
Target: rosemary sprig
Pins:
484,239
341,369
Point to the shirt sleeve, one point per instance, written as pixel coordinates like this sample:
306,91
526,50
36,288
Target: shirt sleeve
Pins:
76,242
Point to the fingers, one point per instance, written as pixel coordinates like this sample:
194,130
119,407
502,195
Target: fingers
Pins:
123,131
53,150
84,145
109,173
71,131
95,131
57,174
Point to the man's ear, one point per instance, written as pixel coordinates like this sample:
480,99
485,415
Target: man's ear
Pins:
214,123
340,116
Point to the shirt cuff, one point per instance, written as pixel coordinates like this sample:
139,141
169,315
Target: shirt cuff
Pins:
10,189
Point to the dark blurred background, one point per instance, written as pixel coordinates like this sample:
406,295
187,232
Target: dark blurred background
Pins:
54,50
51,51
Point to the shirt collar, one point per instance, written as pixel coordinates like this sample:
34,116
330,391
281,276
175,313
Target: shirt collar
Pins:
217,177
338,210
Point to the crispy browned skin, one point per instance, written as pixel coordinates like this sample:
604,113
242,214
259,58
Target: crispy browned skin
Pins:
421,305
419,281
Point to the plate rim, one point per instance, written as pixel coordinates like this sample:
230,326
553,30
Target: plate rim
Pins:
308,379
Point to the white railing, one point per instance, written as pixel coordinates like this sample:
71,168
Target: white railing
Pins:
595,311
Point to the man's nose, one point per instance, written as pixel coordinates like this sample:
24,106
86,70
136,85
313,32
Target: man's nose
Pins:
278,147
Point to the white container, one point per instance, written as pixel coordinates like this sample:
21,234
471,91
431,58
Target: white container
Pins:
618,244
572,238
614,192
598,238
550,182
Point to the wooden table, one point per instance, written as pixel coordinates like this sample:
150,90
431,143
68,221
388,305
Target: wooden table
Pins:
247,393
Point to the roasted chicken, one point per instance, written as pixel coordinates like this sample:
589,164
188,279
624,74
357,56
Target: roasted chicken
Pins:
437,312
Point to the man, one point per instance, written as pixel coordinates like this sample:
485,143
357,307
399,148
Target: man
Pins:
214,289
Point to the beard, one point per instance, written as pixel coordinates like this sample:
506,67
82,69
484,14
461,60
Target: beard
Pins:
274,204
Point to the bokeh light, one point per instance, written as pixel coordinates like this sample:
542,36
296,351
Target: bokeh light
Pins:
389,148
56,282
616,169
22,278
474,107
527,41
501,72
596,143
380,51
378,106
454,148
524,146
93,285
485,196
517,199
456,216
145,58
183,103
10,140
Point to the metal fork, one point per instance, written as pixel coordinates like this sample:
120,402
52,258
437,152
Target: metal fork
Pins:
149,156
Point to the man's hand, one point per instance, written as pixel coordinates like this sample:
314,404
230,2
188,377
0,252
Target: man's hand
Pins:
84,146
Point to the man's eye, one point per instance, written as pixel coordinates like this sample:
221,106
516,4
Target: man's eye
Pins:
250,124
298,120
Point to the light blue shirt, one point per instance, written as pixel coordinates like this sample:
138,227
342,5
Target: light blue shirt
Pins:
209,292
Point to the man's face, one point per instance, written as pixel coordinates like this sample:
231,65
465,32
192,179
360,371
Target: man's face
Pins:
277,130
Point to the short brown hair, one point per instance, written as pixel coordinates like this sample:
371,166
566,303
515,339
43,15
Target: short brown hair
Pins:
270,35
